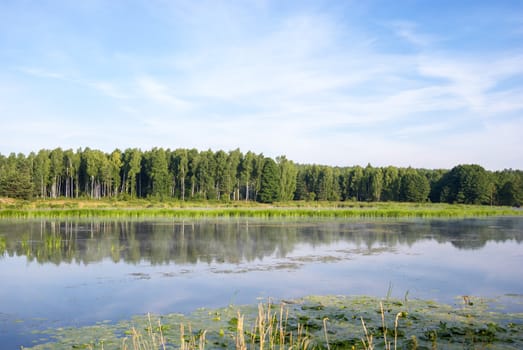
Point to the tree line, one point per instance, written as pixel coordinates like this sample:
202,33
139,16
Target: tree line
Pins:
189,174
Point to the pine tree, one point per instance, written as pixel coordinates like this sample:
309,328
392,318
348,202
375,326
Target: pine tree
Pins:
270,182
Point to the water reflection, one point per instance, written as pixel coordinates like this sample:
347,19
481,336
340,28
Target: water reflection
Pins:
73,273
228,241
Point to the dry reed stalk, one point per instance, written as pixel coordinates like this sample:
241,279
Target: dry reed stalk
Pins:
240,337
162,339
137,340
366,345
150,331
384,327
325,332
261,323
396,329
201,340
182,337
282,327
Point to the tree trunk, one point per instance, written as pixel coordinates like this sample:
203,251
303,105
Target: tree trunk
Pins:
42,187
124,184
59,186
77,182
182,184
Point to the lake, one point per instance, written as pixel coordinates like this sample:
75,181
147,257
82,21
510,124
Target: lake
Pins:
74,273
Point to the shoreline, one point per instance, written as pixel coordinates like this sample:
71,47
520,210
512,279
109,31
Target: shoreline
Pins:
71,208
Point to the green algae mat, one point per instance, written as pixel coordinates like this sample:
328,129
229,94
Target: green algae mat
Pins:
315,322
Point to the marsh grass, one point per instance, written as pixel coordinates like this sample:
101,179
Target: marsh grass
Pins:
273,328
268,331
142,209
323,322
152,339
368,342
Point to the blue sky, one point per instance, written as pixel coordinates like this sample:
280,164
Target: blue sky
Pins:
407,83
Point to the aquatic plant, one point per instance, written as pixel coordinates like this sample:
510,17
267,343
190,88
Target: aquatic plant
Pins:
322,322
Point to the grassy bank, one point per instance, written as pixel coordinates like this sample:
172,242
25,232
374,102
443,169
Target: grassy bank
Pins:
69,208
325,322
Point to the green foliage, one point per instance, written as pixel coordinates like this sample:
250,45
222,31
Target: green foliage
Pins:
15,177
270,182
232,177
509,184
246,168
467,184
190,175
287,177
414,187
158,173
132,159
511,194
373,183
391,184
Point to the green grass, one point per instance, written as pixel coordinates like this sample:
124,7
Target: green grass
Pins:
141,208
379,211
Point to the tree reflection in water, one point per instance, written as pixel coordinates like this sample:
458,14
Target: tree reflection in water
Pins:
230,241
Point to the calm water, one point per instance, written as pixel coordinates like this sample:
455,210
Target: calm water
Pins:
57,273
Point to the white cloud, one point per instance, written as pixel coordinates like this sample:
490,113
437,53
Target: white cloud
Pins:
106,88
160,92
410,32
472,79
109,89
41,73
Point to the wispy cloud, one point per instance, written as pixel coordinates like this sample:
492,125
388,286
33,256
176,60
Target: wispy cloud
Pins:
41,73
411,32
106,88
473,80
157,91
109,89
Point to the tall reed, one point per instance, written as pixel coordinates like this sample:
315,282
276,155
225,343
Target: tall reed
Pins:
197,213
269,331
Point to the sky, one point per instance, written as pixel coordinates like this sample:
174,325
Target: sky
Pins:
427,84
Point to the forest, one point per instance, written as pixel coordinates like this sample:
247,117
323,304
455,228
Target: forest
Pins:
192,175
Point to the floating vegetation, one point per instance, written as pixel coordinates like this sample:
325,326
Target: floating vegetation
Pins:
316,322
